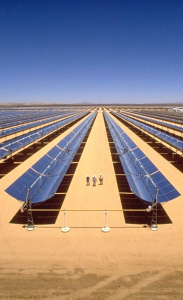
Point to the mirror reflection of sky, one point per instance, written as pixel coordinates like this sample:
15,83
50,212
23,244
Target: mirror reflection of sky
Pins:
124,51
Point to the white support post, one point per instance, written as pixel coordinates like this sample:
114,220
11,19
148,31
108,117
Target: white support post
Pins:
105,228
65,229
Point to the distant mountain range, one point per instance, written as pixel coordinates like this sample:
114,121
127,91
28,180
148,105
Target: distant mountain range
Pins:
90,103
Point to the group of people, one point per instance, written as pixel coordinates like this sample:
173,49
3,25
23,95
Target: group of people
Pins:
94,179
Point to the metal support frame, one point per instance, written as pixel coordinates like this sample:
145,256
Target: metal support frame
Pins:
30,222
27,207
154,225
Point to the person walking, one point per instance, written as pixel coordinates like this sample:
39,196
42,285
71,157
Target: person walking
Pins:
101,179
94,180
87,180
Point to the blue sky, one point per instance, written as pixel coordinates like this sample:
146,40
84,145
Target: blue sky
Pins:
128,51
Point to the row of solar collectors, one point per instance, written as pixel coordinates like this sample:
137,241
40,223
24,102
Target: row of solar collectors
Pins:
173,141
167,117
44,177
30,118
171,126
8,147
157,116
25,126
41,108
21,113
144,179
19,117
12,115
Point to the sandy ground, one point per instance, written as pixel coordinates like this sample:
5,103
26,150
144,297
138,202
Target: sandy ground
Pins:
129,262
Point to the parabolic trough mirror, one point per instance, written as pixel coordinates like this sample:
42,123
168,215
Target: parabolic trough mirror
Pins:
44,177
144,179
8,147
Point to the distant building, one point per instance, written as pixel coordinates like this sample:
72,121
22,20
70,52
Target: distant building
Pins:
177,109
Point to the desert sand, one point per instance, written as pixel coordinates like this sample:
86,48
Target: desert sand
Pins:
129,262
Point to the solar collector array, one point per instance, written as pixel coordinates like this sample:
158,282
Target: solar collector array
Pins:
167,117
173,141
30,122
144,179
168,125
44,177
12,130
20,117
14,119
17,143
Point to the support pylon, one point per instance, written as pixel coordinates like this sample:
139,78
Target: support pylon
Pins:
30,222
27,207
154,225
